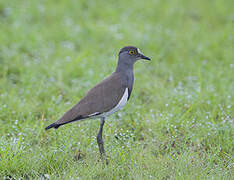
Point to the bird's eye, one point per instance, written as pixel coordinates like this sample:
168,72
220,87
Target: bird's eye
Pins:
131,52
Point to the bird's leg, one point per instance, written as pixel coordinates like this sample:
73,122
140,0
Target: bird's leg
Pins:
99,138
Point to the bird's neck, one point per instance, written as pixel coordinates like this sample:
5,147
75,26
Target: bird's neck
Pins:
126,72
124,67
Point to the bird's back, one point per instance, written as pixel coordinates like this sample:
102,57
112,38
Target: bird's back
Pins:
100,99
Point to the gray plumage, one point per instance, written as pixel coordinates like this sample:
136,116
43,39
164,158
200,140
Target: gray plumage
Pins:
105,97
100,99
107,94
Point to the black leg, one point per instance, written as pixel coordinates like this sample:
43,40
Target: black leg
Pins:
99,138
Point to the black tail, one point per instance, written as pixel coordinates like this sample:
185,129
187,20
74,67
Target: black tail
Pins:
53,126
56,126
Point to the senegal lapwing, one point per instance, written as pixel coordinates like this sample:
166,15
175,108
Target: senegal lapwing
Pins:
107,97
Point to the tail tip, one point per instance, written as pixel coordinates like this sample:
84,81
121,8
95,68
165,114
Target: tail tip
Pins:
54,125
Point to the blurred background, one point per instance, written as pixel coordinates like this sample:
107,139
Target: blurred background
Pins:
179,120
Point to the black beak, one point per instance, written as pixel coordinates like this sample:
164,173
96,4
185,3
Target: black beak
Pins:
144,57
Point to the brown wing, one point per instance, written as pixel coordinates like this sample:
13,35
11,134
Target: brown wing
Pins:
102,98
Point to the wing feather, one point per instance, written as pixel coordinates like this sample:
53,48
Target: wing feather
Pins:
102,98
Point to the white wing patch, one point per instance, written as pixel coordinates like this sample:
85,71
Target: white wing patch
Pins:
121,103
93,114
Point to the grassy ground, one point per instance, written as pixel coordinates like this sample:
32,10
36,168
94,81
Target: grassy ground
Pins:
178,123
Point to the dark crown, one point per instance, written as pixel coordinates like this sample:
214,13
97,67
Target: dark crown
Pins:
127,48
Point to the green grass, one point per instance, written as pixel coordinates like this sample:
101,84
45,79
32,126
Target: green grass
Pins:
179,121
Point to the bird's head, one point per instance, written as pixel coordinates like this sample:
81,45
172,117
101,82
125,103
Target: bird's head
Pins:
132,54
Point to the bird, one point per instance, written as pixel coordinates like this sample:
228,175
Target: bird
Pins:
108,96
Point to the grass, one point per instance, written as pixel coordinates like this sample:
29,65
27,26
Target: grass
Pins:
178,123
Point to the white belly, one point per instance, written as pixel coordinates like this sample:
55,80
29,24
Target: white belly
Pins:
119,106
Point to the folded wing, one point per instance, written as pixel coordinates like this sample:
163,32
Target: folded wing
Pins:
100,99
